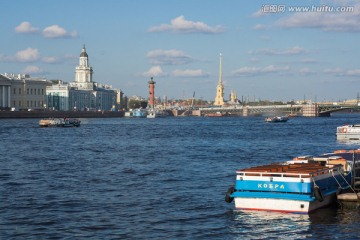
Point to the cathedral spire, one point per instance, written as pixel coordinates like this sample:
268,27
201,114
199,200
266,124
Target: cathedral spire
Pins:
220,72
219,99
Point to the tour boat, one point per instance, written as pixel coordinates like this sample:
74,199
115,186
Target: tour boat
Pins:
348,132
59,122
141,113
276,119
301,185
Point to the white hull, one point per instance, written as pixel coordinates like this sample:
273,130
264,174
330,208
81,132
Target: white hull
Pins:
348,132
281,205
348,136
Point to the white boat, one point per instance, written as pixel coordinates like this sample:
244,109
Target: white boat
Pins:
301,185
276,119
139,113
156,114
348,132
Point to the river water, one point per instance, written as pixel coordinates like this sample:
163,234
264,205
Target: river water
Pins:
164,178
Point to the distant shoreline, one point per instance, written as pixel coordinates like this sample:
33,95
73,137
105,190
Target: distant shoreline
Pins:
60,114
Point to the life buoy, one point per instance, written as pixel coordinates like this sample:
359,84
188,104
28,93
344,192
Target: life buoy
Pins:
344,130
228,197
318,194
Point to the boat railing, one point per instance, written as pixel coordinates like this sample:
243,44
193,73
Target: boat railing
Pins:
291,172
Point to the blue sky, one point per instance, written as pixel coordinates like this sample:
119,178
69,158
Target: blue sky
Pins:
269,51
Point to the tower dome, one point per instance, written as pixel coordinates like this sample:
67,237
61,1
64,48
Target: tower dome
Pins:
83,52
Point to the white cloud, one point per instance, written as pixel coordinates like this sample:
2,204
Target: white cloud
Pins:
353,73
325,20
26,27
27,55
260,27
181,25
155,71
340,72
290,51
55,31
32,69
306,71
336,71
253,71
168,57
50,59
189,73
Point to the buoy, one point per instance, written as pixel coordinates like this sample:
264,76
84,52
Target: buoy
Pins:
228,197
318,194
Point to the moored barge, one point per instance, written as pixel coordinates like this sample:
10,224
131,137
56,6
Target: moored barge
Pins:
301,185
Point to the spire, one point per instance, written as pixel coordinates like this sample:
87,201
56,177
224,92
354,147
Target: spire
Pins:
220,72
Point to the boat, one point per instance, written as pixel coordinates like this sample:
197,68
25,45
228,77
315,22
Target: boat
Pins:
141,113
156,114
216,114
300,185
60,122
348,132
277,119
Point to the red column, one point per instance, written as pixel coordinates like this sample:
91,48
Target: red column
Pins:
151,92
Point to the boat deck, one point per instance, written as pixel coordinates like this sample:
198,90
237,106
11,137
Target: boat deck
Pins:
303,170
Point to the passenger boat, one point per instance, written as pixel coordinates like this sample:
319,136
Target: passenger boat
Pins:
348,132
276,119
141,113
301,185
59,122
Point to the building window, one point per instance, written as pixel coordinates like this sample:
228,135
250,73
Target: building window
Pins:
14,90
27,103
31,92
14,103
19,91
27,91
42,91
19,103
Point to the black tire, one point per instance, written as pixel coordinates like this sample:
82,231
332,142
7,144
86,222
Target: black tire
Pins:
318,194
228,198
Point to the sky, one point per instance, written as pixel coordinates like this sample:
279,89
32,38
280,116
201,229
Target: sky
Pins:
271,50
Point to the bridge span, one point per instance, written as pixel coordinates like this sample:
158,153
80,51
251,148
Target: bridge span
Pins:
306,110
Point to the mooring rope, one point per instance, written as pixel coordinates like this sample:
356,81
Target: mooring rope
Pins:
357,196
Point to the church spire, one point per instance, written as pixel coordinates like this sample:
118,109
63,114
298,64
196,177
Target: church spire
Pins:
219,99
220,72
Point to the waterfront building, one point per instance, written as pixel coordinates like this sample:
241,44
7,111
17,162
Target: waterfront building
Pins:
219,99
27,93
5,92
83,94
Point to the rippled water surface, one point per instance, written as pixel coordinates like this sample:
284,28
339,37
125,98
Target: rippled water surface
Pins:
156,178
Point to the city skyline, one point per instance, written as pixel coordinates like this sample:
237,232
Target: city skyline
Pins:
271,51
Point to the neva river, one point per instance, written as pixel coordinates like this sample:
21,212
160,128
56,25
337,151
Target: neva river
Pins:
156,178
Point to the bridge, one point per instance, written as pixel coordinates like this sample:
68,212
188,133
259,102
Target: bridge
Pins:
306,110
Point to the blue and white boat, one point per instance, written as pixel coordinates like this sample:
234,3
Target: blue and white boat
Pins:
301,185
142,113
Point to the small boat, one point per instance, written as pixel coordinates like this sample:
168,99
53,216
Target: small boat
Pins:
217,114
300,185
156,114
59,122
348,132
276,119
